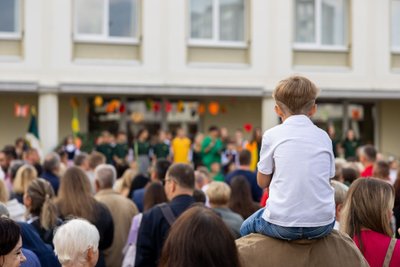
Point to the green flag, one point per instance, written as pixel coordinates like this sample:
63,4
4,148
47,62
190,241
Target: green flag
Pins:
33,126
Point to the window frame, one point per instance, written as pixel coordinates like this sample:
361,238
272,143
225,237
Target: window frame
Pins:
105,37
17,34
317,45
394,48
215,40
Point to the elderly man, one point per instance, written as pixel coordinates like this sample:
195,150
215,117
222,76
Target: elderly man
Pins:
122,211
51,168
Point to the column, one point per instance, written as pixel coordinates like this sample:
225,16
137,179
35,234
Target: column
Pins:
269,117
48,121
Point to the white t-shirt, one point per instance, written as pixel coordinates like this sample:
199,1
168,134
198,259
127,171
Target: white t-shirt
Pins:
299,154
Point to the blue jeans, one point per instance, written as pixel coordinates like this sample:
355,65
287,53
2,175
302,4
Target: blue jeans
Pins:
256,224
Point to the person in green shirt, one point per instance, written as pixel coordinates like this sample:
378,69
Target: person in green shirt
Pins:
104,146
212,147
120,154
141,150
161,148
350,145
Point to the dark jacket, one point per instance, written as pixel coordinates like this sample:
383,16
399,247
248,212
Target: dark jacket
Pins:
154,229
53,179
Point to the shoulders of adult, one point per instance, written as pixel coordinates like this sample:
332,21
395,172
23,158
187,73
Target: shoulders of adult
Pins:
104,224
336,249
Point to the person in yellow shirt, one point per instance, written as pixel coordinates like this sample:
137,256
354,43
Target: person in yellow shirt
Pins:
180,147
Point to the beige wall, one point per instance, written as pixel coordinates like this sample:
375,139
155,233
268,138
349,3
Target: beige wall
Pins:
389,128
11,126
65,116
239,111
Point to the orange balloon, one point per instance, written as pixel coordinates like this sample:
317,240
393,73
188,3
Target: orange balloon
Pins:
213,108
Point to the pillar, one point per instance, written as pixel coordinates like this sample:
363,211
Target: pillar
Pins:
48,121
269,118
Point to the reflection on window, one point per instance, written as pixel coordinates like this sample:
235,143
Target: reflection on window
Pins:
320,23
106,20
9,18
217,21
396,25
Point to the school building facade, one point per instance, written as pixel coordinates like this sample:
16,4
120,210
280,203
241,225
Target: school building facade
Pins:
195,63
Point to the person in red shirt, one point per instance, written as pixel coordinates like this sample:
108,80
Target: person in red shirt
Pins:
366,218
367,159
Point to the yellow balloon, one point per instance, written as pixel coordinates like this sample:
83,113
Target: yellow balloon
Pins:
98,101
75,125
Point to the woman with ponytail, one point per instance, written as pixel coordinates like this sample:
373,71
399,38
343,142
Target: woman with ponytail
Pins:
42,212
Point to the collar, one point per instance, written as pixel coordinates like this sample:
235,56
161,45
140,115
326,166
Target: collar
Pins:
182,198
108,191
298,120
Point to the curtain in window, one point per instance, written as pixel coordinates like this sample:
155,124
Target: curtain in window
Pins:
332,22
305,21
90,16
231,16
201,24
9,15
122,15
396,23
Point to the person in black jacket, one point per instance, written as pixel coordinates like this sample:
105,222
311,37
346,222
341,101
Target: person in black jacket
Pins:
75,200
179,186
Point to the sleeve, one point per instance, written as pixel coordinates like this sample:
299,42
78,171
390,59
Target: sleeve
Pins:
266,162
145,247
106,228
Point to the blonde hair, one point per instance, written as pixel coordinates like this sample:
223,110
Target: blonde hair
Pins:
41,194
295,95
340,191
3,192
368,205
25,175
127,177
73,240
218,193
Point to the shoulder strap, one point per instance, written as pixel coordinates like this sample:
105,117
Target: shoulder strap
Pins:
389,252
167,213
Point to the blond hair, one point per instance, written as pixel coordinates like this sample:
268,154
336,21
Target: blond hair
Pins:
3,192
368,205
25,175
218,193
295,95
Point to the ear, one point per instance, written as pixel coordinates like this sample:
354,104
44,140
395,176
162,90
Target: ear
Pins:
313,110
97,185
27,200
92,256
279,111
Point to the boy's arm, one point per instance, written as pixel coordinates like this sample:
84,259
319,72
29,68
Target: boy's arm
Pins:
263,180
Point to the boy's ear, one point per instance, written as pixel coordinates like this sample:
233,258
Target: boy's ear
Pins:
278,111
313,110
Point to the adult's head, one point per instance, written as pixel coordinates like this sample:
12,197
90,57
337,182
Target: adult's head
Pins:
105,175
199,196
76,244
199,237
25,175
218,194
10,244
154,195
32,156
52,163
381,170
367,155
75,195
295,95
350,174
38,201
369,204
241,200
95,159
82,160
244,158
10,154
179,180
160,170
15,165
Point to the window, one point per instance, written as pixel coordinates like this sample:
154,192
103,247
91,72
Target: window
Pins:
10,19
217,22
395,26
106,21
321,24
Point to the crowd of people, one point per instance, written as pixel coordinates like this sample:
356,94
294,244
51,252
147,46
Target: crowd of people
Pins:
291,196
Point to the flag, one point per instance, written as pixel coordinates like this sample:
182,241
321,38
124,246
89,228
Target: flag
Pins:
32,136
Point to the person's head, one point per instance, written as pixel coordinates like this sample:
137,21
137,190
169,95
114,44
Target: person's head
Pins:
143,134
213,131
52,163
199,238
350,135
162,135
218,194
180,132
10,244
20,143
15,165
199,196
367,154
241,200
81,160
105,137
76,244
244,158
38,200
369,204
4,195
10,153
381,170
200,179
121,137
105,175
350,174
25,175
331,130
95,159
179,180
340,196
32,156
138,182
224,132
75,195
160,170
294,96
154,195
339,164
127,177
257,135
215,167
3,162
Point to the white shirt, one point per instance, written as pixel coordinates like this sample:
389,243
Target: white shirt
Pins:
299,154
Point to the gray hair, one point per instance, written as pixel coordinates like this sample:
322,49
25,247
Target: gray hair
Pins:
106,175
72,241
51,162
